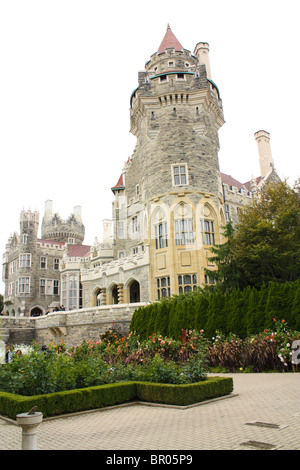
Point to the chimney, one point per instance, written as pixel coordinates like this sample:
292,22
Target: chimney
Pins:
201,51
264,152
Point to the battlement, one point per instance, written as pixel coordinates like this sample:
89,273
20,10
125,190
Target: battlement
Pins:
57,229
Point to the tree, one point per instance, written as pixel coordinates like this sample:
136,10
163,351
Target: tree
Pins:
228,275
266,245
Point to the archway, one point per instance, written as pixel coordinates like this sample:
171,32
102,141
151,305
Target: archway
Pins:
36,312
134,292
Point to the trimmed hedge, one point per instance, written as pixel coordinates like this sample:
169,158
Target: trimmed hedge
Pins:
242,312
71,401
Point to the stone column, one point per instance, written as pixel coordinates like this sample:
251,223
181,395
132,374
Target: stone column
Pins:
103,292
120,293
29,424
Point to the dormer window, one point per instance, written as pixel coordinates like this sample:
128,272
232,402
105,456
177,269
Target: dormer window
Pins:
171,64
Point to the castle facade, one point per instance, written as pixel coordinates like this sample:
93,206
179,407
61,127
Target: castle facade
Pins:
171,201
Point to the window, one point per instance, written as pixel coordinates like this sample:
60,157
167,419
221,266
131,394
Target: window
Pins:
179,175
135,250
56,264
180,76
71,241
184,234
163,78
163,287
121,255
25,260
137,190
121,229
134,224
24,285
25,239
208,280
56,287
43,262
72,291
161,235
171,64
187,283
10,288
42,286
13,267
227,212
64,290
208,232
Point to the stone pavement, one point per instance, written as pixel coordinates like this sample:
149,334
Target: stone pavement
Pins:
263,413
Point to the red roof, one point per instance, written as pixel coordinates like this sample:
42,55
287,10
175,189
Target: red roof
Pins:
169,41
78,251
228,179
119,184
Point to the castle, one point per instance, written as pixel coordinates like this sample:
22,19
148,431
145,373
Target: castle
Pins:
170,202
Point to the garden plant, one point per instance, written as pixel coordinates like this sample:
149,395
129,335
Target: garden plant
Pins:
118,358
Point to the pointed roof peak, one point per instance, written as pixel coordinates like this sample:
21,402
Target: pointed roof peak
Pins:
169,41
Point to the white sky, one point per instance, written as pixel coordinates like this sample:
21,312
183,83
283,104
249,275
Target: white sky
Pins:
68,68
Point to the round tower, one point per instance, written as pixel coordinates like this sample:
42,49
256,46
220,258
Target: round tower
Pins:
176,113
68,231
172,182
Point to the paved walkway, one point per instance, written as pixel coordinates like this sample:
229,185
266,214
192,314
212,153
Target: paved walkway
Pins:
273,400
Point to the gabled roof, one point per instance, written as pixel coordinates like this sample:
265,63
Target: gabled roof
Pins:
169,41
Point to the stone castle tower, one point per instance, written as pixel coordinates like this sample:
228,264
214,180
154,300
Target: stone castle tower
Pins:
168,207
31,265
68,231
172,184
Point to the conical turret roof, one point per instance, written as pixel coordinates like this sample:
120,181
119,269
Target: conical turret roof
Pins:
169,41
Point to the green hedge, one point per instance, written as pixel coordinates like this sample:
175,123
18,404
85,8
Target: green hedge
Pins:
242,312
71,401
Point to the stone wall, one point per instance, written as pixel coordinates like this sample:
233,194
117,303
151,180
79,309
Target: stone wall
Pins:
71,327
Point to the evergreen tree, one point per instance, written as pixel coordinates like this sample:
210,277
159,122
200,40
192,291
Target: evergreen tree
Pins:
266,244
228,275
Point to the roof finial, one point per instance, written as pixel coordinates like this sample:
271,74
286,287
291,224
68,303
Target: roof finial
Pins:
168,27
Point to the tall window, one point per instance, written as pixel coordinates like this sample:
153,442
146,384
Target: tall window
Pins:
184,234
208,232
42,286
227,212
56,264
187,283
121,229
161,235
163,287
134,224
64,290
55,287
25,260
24,285
43,262
179,175
72,291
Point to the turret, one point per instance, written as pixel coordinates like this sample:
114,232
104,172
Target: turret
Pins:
68,231
201,51
266,162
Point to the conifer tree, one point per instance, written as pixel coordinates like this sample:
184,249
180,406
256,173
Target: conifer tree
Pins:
228,275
